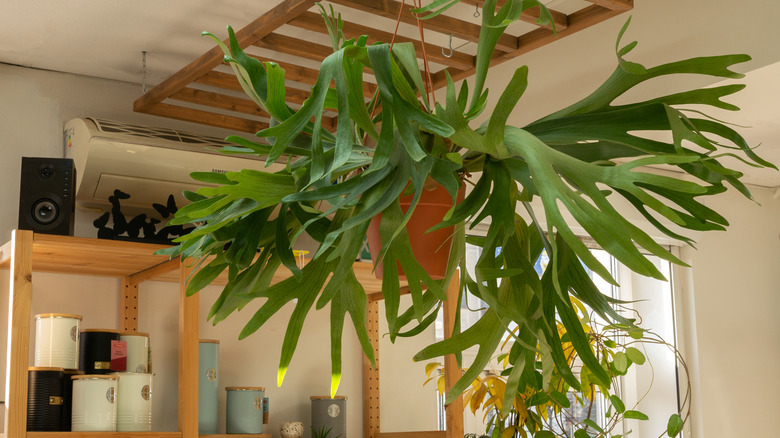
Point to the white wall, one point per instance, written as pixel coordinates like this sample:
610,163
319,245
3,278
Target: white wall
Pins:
735,278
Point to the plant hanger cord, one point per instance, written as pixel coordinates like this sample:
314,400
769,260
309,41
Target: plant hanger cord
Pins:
426,67
429,83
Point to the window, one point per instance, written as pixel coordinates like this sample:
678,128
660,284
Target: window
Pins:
653,387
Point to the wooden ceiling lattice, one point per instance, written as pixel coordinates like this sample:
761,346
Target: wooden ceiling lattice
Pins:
203,92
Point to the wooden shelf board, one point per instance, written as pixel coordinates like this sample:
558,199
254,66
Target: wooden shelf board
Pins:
79,255
238,435
103,434
114,258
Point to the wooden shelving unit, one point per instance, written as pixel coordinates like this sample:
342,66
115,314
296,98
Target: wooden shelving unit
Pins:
135,263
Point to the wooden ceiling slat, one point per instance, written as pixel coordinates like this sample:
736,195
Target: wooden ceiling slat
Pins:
216,100
535,39
255,30
294,46
313,21
616,5
229,82
531,15
207,118
442,23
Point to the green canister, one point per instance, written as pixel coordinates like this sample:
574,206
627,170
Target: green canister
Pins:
208,385
244,409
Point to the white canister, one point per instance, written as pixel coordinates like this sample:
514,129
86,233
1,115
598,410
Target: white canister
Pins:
137,351
134,402
94,403
57,340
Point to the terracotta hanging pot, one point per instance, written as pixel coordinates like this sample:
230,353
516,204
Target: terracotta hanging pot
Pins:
431,249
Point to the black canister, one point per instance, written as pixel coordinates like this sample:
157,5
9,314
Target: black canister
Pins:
95,350
67,398
44,398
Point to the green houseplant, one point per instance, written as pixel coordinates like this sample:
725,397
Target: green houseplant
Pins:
549,407
577,160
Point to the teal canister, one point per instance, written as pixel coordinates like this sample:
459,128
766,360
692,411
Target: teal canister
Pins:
329,414
208,385
244,409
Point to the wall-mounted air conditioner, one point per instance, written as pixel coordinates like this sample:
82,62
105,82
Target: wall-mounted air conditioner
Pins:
149,164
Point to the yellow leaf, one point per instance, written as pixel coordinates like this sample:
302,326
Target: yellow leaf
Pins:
440,385
431,367
508,432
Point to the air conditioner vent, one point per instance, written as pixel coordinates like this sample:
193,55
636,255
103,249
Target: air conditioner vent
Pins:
110,126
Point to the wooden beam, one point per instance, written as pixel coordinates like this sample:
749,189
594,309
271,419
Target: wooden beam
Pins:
252,32
206,118
452,372
313,21
371,375
19,300
615,5
188,356
443,24
535,39
531,15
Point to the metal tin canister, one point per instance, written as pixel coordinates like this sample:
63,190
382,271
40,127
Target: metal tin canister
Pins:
95,350
134,402
137,351
208,385
244,409
329,413
94,403
57,340
44,398
67,398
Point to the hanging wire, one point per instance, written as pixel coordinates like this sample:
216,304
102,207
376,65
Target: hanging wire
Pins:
144,87
476,13
450,51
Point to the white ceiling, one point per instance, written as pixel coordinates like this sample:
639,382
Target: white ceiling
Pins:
105,38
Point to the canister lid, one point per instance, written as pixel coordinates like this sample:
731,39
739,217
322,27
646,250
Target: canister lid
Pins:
46,369
58,315
146,335
244,388
321,397
100,331
95,377
208,341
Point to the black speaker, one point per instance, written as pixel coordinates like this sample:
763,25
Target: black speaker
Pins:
46,199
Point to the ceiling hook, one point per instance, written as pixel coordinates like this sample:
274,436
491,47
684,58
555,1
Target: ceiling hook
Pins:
449,52
476,13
